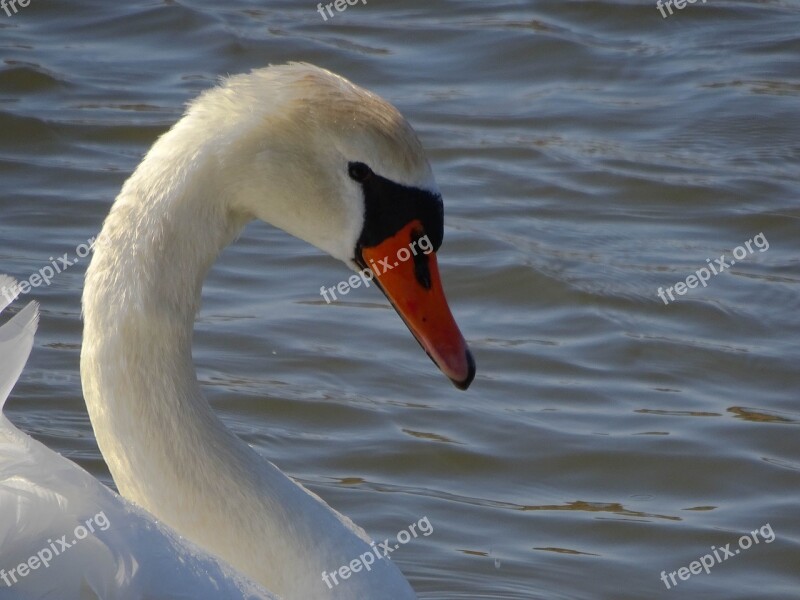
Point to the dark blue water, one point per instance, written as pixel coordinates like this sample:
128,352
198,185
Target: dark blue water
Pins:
589,153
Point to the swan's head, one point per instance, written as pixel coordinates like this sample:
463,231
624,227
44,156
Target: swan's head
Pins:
339,167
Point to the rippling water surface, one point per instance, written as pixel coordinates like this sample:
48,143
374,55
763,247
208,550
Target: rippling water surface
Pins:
589,153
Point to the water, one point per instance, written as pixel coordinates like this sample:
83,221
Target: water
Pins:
589,153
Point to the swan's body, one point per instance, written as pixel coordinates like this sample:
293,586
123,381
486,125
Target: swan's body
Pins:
330,163
43,497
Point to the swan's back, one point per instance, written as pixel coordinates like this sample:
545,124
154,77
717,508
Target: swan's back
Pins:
46,502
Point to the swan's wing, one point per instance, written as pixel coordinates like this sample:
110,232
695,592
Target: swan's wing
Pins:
75,538
16,338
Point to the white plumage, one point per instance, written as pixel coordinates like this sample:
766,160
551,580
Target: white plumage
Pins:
44,498
271,145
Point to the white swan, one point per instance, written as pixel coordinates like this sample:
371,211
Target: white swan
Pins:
46,502
309,152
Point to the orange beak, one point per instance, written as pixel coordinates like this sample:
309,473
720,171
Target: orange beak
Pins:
410,279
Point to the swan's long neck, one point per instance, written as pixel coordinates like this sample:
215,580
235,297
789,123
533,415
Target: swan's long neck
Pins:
157,432
166,449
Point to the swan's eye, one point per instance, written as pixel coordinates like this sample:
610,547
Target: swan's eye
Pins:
358,171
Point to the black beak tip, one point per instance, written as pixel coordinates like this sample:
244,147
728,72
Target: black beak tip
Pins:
463,385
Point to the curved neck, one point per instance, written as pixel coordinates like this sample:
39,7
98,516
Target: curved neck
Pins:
164,446
144,283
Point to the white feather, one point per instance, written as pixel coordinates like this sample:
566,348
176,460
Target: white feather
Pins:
16,339
43,497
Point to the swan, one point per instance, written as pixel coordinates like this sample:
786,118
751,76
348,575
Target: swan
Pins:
309,152
46,502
